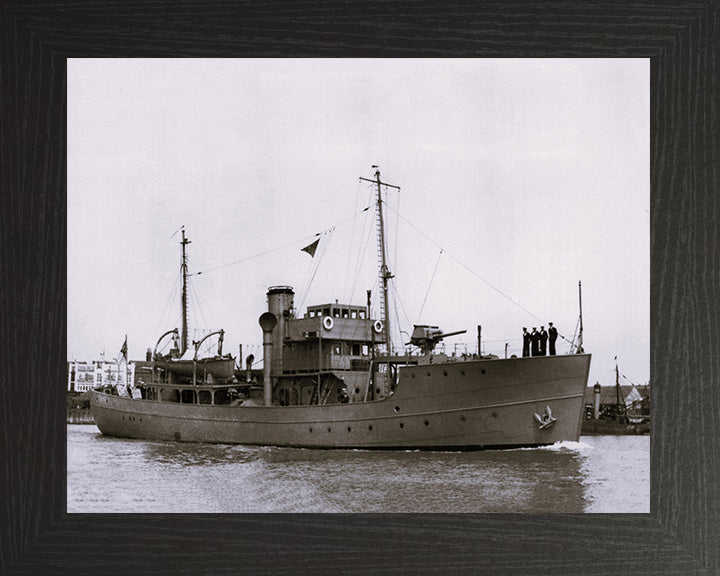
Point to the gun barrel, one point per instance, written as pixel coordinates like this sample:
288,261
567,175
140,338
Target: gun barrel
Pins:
445,334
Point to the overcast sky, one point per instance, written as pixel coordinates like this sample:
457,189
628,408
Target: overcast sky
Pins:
528,175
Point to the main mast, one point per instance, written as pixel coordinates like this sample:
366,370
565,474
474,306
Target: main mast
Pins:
184,336
384,272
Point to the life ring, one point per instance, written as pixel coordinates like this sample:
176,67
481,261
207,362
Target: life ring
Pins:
378,326
328,323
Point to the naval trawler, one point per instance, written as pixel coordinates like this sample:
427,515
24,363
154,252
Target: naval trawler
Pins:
330,379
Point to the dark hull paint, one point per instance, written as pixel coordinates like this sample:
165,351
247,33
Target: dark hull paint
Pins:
460,405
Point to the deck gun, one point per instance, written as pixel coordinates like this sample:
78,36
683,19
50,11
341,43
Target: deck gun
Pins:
427,337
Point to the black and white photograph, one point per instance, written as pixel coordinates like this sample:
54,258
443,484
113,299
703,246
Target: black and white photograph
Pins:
310,285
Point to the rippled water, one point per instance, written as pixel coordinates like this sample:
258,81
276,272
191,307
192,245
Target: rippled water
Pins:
597,474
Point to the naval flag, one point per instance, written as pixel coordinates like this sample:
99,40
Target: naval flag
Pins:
310,249
123,350
122,360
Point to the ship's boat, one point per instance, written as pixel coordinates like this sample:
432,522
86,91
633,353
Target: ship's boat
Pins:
218,367
331,379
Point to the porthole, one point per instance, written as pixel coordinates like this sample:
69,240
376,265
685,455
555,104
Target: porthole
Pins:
370,427
427,423
402,425
357,390
349,429
427,374
462,418
329,429
397,408
377,390
413,375
444,372
482,371
462,372
494,414
310,430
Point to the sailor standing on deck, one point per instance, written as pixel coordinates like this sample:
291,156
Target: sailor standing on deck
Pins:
543,341
535,342
526,343
552,332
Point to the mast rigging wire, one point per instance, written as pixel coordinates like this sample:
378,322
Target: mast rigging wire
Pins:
397,300
197,309
315,265
468,268
352,237
170,300
362,248
289,244
437,262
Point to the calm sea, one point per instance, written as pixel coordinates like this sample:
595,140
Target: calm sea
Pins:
597,474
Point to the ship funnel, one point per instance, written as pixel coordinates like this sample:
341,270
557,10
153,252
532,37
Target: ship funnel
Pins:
280,303
267,322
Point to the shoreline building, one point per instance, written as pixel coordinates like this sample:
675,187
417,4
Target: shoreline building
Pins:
83,376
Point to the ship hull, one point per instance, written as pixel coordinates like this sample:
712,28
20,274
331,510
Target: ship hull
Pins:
474,404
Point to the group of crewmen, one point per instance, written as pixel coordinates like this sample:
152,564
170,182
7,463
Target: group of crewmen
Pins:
535,343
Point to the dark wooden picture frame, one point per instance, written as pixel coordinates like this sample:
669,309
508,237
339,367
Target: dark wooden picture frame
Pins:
681,535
